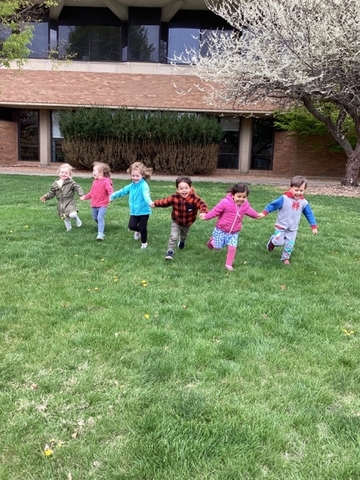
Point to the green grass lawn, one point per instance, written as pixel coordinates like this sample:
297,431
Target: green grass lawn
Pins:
118,365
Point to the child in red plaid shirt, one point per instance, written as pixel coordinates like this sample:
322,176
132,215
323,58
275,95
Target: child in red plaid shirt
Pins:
185,206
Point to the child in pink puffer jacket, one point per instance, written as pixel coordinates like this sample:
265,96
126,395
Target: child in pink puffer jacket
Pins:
230,212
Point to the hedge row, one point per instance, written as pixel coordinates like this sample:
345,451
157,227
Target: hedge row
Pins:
163,157
169,142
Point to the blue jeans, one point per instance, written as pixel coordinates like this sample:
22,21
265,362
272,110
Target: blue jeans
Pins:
98,214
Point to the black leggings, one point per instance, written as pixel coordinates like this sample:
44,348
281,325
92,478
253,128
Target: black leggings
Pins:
138,223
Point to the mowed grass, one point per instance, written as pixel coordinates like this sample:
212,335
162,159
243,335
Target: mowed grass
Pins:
118,365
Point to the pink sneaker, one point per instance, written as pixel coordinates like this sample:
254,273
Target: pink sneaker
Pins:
210,243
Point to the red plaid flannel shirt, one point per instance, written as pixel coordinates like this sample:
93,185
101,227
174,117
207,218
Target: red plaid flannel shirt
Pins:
184,210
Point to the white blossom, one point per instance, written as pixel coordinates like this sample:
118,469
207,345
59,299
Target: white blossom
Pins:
305,51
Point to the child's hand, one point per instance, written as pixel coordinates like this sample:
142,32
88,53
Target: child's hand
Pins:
261,215
202,216
43,198
152,204
315,230
82,198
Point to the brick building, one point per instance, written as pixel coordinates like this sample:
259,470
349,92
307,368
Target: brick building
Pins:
122,52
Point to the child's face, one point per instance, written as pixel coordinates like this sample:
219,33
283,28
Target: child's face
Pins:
298,192
97,173
64,173
183,189
239,197
136,176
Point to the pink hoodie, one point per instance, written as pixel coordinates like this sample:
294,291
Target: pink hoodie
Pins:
230,215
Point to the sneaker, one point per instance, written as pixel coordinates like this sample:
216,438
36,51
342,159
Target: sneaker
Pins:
181,244
78,222
229,267
137,236
144,245
100,236
270,246
286,262
210,243
169,255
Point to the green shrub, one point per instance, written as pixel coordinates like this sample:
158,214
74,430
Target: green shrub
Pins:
168,142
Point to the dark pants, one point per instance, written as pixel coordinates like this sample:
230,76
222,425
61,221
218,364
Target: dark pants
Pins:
138,223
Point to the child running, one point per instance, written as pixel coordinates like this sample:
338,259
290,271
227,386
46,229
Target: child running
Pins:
100,191
64,190
290,206
185,206
139,200
230,212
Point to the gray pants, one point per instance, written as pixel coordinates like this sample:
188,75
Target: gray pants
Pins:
177,232
284,238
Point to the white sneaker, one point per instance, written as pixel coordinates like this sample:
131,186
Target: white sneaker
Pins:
144,245
137,236
78,222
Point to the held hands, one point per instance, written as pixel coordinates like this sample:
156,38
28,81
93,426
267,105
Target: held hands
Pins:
261,215
43,198
315,230
152,204
82,198
202,216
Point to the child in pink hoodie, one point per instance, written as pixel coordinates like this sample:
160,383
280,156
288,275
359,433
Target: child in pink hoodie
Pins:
99,195
230,212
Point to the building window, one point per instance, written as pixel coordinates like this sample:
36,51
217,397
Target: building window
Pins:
57,154
144,43
90,43
189,28
89,34
262,144
229,146
181,40
28,121
39,46
144,34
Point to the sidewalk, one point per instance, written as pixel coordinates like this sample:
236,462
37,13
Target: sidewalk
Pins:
230,179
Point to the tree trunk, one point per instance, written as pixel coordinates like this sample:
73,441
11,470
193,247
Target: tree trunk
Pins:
352,168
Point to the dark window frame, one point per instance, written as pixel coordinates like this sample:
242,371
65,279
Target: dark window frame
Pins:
36,144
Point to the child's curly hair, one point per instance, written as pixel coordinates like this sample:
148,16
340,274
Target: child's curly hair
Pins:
65,165
145,172
104,168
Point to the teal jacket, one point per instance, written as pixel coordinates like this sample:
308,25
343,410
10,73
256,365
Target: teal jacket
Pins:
139,197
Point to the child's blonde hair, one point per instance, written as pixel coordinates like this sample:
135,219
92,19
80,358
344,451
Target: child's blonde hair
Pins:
145,172
104,168
65,165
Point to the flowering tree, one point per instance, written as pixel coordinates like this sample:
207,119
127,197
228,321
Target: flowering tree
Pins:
15,30
305,52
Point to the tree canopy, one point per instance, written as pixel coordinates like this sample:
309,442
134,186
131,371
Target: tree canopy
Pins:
298,52
16,31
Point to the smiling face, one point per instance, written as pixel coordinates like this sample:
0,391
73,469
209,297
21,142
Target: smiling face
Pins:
298,192
239,197
97,173
136,176
183,189
64,173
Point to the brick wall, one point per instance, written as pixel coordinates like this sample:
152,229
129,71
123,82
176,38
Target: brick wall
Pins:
298,155
8,143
